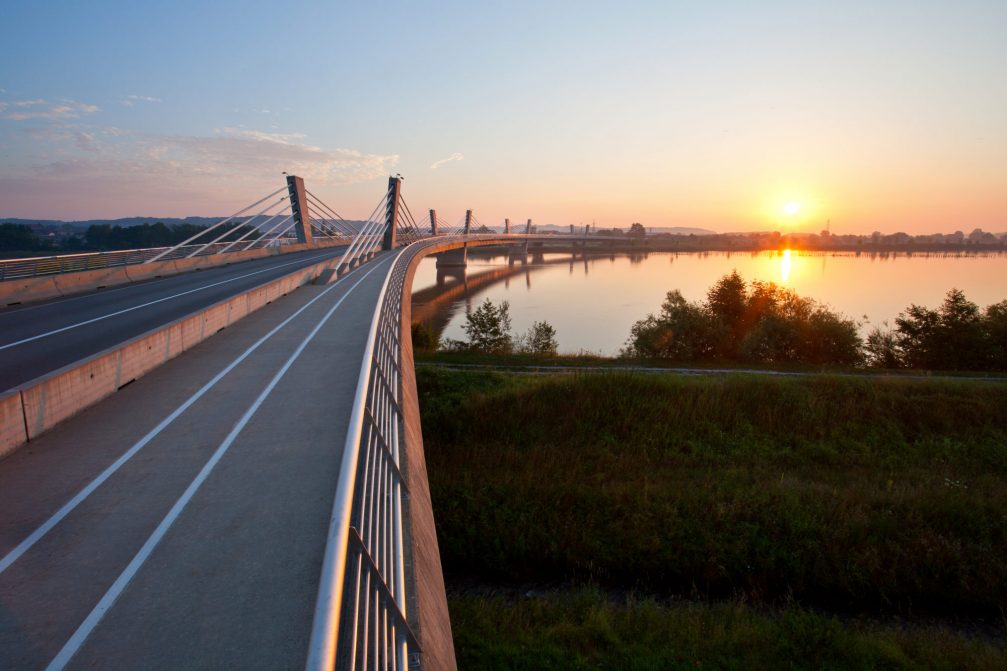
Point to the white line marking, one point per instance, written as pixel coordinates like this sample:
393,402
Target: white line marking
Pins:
61,300
143,305
108,600
69,506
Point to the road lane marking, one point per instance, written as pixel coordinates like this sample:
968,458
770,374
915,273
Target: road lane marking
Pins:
143,305
61,300
122,581
70,505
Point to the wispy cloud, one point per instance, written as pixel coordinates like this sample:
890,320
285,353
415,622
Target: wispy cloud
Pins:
132,99
453,157
83,162
22,110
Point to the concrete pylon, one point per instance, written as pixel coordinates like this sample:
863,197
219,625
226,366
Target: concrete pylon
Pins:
392,213
468,221
299,208
506,226
527,228
433,222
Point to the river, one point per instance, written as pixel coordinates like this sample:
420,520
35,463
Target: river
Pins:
593,301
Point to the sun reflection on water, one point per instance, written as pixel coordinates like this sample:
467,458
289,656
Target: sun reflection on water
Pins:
785,266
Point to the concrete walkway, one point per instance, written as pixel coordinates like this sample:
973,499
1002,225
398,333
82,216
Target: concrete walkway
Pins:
201,543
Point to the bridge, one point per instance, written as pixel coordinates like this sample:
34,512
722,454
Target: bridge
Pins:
261,501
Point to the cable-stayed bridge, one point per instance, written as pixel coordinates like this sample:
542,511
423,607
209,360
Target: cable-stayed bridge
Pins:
261,501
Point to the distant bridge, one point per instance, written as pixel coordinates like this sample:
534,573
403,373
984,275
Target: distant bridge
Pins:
261,502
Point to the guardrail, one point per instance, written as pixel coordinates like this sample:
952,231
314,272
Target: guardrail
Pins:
73,263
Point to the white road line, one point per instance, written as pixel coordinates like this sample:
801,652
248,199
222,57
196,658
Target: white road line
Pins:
69,506
143,305
21,309
108,600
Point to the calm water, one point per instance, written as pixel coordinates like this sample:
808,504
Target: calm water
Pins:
593,303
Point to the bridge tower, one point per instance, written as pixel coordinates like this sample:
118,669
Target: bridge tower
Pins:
392,213
299,208
433,222
468,221
506,226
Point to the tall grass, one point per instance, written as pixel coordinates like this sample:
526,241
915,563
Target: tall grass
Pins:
584,630
885,496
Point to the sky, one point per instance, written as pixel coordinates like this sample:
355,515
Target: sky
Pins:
865,116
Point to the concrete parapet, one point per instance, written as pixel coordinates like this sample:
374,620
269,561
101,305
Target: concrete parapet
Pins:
12,426
31,289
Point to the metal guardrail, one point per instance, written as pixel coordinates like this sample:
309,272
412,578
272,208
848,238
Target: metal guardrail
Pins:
73,263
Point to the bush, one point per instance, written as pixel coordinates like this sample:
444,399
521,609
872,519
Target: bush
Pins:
759,323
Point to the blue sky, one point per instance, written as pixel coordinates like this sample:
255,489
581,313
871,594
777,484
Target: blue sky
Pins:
889,116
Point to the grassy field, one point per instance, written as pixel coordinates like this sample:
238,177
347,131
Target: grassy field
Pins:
581,629
853,496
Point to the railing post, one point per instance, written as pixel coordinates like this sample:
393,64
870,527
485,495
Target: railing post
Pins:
299,208
433,222
392,213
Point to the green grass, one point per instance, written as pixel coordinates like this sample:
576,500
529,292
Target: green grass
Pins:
858,495
584,630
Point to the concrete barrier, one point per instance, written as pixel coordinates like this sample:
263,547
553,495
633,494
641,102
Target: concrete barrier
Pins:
36,406
31,289
12,427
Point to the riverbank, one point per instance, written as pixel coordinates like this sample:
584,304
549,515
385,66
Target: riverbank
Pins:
844,497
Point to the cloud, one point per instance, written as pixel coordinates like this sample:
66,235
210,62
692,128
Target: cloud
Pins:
86,142
88,163
41,109
453,157
132,99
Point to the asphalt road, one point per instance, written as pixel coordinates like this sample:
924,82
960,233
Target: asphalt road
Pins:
181,522
40,338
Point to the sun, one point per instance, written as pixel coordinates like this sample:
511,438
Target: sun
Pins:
792,208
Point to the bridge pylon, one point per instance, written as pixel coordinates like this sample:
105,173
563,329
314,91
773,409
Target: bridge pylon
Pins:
433,222
299,208
392,213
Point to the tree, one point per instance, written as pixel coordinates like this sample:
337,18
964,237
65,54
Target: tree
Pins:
761,322
488,328
881,349
637,231
540,339
18,238
956,336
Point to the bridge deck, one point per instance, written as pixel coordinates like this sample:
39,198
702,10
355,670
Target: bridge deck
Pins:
231,582
36,339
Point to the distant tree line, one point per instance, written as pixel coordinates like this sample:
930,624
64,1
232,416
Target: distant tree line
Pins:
762,323
106,237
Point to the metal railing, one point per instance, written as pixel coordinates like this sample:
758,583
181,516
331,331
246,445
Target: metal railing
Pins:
361,619
73,263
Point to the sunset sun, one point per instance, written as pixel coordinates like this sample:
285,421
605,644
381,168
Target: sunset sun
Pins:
792,208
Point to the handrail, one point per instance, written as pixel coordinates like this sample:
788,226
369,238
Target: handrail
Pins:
366,598
360,613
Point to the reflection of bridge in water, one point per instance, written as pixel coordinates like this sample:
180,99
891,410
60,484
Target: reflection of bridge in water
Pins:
436,305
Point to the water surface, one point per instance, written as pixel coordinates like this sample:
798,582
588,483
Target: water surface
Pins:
592,302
